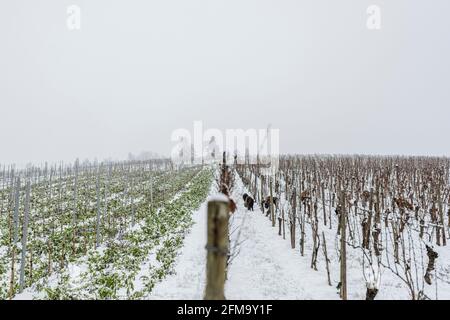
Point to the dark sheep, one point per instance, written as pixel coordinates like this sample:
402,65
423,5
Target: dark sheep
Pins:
249,203
266,202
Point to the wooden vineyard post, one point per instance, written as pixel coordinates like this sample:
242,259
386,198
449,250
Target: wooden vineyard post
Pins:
15,238
106,214
272,213
217,248
24,238
255,187
441,216
323,204
326,257
292,225
279,225
262,194
343,289
75,208
151,192
97,227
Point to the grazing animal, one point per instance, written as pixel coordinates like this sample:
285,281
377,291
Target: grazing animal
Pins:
266,202
249,203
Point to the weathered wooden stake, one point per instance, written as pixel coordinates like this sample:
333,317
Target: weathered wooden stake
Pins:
272,211
217,248
75,207
15,238
292,225
441,216
97,224
323,204
326,258
24,238
343,289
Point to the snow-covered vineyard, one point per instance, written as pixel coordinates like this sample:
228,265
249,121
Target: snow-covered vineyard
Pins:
323,227
396,222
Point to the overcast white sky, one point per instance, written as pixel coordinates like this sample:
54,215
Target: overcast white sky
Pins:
137,70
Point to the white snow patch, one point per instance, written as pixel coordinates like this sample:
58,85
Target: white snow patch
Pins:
218,197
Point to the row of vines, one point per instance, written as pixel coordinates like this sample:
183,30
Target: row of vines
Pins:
372,223
94,230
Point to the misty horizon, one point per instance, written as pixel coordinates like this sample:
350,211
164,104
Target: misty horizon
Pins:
135,71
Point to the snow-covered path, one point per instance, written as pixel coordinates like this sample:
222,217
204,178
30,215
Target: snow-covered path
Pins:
188,281
264,268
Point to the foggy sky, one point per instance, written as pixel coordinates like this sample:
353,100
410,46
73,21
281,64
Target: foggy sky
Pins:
137,70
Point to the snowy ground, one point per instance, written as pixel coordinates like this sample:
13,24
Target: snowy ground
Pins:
391,287
188,280
264,268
